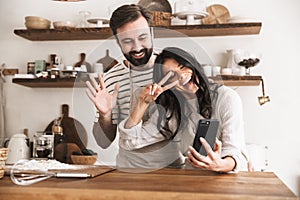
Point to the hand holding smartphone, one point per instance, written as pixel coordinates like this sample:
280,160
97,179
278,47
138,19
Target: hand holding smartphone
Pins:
208,129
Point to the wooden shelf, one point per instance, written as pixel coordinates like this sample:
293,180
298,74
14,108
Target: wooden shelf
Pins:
72,82
159,32
233,80
49,83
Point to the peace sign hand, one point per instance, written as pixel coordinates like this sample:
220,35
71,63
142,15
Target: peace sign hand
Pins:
152,91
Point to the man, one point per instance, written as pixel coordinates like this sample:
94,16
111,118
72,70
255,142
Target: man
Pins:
131,26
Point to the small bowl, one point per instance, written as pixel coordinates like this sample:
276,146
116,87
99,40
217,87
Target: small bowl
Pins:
36,18
37,25
34,22
64,24
84,159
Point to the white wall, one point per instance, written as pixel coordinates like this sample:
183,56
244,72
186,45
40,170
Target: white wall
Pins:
275,124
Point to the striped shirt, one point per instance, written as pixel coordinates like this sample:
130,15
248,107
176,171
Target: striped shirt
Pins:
128,79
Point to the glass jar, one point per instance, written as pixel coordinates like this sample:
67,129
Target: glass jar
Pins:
54,73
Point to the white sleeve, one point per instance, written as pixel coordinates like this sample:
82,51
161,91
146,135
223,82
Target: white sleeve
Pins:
143,134
230,110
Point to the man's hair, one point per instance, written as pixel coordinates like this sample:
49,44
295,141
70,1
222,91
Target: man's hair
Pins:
128,13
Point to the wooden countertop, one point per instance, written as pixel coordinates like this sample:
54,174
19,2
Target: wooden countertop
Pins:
177,184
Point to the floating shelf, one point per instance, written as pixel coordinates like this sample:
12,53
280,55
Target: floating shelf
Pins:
249,28
228,80
234,80
49,83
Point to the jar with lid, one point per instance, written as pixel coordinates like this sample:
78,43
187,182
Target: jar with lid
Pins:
43,145
54,73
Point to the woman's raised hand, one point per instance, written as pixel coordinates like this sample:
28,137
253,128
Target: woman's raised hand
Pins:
152,91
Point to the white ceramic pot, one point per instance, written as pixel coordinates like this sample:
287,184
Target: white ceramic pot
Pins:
18,149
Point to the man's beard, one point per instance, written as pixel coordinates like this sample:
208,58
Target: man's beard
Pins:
142,61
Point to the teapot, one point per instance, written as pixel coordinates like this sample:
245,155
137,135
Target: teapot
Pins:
18,148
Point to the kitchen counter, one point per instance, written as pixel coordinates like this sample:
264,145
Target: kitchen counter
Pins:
162,184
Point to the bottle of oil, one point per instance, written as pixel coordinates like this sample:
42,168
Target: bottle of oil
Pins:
57,131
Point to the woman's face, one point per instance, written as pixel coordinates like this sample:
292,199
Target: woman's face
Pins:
183,74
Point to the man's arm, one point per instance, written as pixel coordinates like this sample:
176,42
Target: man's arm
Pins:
104,131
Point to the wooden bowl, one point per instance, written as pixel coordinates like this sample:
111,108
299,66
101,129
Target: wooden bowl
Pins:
34,22
84,159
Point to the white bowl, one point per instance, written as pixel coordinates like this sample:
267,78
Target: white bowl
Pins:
64,24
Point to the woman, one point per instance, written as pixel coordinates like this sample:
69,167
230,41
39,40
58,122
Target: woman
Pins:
164,119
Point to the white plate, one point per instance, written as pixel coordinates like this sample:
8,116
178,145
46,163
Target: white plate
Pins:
95,20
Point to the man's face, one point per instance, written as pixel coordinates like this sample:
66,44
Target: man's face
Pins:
135,40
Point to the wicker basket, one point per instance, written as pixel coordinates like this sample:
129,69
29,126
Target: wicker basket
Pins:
84,159
1,172
162,19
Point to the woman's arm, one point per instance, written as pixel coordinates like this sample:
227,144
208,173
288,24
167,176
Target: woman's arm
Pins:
139,129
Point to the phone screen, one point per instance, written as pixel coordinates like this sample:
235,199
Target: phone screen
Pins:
208,129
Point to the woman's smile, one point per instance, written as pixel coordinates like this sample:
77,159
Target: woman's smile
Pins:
182,74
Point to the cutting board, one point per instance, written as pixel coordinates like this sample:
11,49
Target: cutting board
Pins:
73,130
218,14
107,61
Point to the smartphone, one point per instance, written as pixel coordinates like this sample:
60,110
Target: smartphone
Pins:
208,129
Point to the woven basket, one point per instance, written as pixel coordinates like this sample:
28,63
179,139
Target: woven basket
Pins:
1,172
162,19
84,159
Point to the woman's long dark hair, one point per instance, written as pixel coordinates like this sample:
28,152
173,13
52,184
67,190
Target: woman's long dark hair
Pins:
172,100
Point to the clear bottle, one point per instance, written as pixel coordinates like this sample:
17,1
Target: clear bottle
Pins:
84,15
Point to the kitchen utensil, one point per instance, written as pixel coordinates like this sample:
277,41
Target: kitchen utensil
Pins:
27,176
73,130
43,145
218,14
82,64
156,5
107,61
18,148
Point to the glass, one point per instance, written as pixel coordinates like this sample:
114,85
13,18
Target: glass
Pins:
43,145
247,60
84,15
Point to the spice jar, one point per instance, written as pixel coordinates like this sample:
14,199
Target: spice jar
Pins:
54,73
